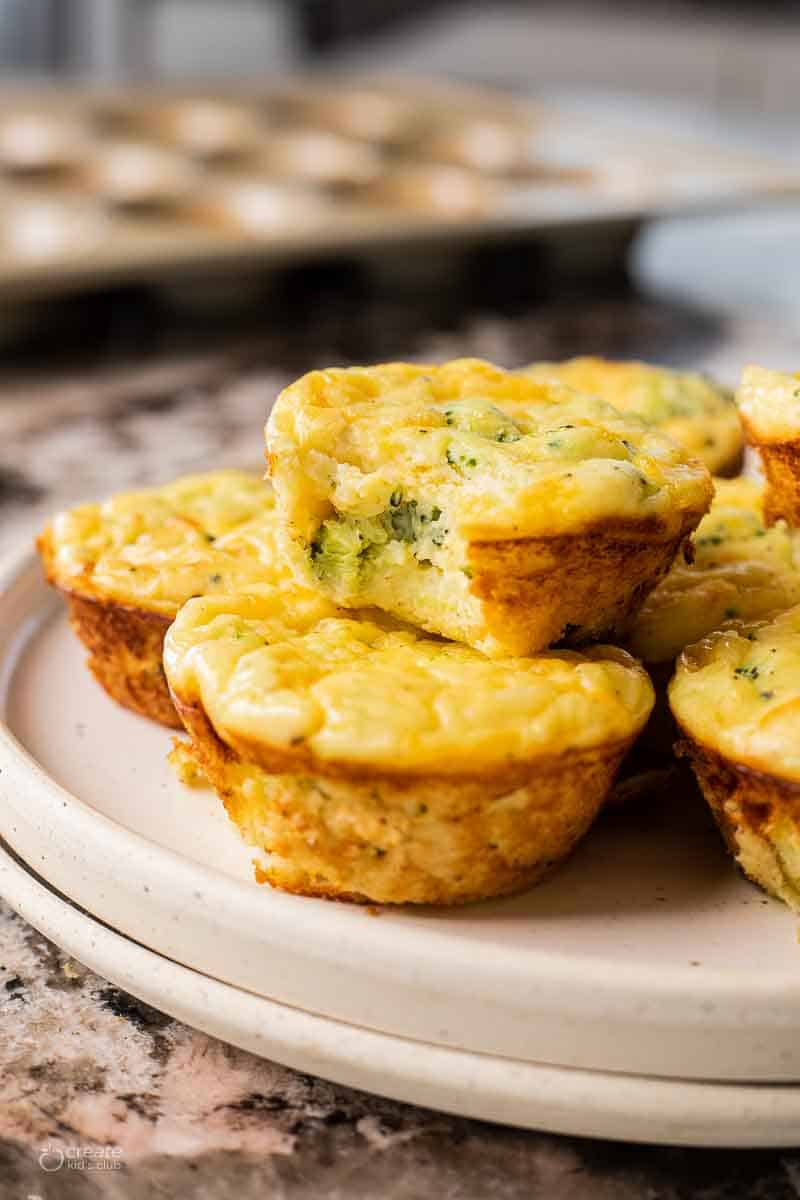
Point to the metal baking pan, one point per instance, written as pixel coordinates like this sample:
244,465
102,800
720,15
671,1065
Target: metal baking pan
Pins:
112,187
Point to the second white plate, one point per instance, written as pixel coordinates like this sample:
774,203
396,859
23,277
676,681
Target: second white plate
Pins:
646,954
555,1099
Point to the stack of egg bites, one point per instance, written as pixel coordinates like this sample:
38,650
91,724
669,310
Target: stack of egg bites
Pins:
392,661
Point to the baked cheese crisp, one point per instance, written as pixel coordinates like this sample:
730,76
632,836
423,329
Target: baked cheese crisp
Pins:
736,697
690,407
496,510
742,570
769,403
371,761
127,565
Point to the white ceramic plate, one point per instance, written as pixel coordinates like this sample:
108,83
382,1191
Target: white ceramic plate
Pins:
646,954
555,1099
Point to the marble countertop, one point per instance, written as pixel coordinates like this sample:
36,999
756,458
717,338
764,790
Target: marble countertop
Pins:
174,1112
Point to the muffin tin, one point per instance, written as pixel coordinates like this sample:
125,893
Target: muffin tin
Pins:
115,186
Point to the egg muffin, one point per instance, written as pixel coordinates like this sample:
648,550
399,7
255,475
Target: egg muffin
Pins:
742,569
769,403
368,761
126,566
499,511
690,407
736,698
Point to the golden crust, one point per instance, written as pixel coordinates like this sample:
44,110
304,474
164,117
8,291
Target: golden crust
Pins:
781,463
581,587
758,815
125,646
301,761
769,405
391,839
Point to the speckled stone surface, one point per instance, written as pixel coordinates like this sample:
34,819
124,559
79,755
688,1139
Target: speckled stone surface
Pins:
158,1109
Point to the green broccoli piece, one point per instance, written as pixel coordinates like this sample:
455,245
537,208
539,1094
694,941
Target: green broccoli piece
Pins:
344,547
480,417
341,547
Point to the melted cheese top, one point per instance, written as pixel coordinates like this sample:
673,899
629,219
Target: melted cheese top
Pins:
355,691
742,570
769,401
738,691
154,549
501,455
688,406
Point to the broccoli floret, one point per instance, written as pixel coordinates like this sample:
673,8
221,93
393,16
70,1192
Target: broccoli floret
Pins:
408,521
461,462
477,416
404,521
344,546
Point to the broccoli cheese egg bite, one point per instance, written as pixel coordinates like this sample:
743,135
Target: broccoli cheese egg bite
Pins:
127,565
741,569
496,510
769,403
736,698
688,406
371,762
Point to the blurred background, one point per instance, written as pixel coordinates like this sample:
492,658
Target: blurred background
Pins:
201,198
740,53
71,178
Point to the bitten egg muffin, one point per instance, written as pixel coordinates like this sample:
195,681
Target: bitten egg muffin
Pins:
736,698
690,407
371,762
496,510
126,566
742,569
769,403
